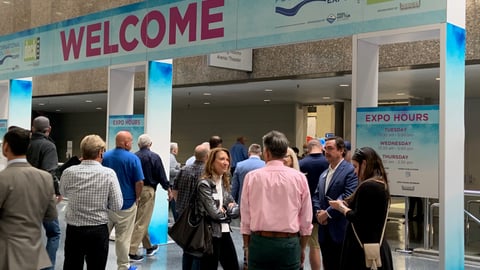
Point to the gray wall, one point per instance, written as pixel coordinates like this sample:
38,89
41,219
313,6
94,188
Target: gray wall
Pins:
73,127
189,127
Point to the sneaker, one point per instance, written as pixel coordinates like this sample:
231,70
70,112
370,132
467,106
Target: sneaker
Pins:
135,258
132,267
151,251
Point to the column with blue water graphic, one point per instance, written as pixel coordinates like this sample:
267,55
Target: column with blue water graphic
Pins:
158,114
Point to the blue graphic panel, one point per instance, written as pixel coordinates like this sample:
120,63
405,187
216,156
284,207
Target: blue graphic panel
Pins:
158,109
20,103
454,136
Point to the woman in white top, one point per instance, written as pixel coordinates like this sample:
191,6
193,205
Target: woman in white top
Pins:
215,202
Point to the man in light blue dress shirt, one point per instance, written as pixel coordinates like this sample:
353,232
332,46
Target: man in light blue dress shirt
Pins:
252,163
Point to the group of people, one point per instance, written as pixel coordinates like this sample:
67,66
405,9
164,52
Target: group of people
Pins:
105,190
111,189
286,204
322,201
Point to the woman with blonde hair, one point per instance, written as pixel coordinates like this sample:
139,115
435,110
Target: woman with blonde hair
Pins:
291,159
215,202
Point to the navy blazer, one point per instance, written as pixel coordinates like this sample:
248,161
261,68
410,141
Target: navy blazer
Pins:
344,182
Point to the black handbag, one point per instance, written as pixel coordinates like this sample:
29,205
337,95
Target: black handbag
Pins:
192,232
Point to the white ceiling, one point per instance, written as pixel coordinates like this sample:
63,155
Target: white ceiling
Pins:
418,84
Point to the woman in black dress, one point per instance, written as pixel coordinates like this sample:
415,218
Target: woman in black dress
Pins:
367,209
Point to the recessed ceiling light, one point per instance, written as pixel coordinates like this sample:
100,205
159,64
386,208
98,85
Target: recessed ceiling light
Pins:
268,90
58,110
325,97
207,94
401,94
6,2
41,104
438,78
206,103
59,13
98,108
88,101
344,85
266,100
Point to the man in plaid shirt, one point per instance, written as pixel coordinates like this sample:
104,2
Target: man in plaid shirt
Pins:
183,188
92,190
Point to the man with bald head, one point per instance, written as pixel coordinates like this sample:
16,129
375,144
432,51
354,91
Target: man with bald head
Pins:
183,188
129,172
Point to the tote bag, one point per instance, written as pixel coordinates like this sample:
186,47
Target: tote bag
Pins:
192,233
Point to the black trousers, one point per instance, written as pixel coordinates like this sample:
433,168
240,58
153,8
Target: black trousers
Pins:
331,253
86,243
223,252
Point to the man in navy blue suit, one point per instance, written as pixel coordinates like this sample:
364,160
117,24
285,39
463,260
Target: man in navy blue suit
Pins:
336,183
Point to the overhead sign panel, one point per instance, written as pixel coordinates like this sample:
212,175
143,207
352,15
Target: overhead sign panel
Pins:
152,30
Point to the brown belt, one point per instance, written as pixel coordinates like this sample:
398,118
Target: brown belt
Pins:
276,234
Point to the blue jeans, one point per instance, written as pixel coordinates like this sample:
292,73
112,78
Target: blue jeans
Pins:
52,229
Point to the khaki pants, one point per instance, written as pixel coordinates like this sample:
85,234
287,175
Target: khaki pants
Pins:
123,221
142,220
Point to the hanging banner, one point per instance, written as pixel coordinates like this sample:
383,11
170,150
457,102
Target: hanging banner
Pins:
407,140
133,123
151,30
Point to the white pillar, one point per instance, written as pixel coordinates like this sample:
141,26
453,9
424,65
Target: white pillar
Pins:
452,136
452,139
4,96
364,79
120,98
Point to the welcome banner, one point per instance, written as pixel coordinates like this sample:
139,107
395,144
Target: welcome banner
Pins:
152,30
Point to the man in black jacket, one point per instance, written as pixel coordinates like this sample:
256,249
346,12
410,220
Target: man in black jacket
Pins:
42,154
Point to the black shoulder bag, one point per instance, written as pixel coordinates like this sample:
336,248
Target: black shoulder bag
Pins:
192,232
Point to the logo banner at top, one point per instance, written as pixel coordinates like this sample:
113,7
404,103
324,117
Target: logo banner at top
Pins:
152,30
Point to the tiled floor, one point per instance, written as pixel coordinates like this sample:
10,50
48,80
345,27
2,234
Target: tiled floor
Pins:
169,256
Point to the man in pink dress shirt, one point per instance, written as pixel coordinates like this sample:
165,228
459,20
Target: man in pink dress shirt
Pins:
276,210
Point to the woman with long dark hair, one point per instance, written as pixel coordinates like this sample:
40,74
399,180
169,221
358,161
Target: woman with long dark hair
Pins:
366,210
216,203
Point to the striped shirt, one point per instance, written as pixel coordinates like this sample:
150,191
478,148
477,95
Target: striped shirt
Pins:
92,190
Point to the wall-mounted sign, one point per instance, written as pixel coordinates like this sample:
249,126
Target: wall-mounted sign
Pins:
237,59
407,140
133,123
